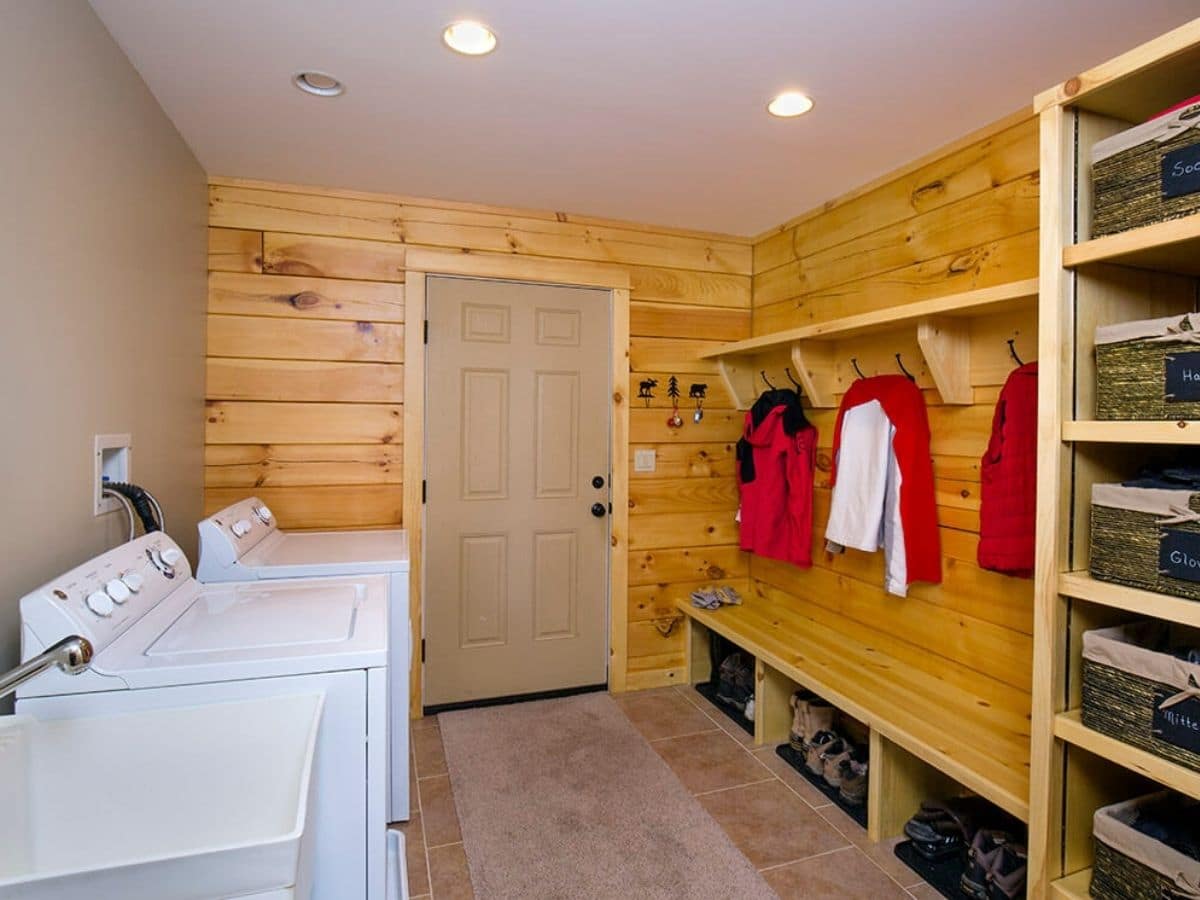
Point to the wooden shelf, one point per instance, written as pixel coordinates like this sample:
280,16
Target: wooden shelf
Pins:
1172,246
1092,431
1069,727
1073,887
1082,586
941,327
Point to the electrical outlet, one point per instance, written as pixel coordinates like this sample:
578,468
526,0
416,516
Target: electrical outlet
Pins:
645,460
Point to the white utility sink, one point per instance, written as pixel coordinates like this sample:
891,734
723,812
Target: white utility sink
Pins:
172,804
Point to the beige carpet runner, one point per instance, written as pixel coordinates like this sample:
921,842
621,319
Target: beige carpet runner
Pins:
563,798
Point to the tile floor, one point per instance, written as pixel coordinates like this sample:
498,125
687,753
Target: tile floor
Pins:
803,844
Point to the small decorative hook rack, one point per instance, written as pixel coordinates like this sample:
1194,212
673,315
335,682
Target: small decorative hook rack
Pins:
646,390
699,393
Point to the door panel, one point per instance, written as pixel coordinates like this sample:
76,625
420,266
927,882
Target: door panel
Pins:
517,425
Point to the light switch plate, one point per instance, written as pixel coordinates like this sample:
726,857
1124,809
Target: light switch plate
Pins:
645,460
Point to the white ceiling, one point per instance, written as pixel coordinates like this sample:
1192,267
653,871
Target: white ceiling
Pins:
651,110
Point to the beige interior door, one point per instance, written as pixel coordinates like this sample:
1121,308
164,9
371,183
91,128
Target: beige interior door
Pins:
518,396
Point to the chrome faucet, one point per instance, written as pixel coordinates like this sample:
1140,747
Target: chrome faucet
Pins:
72,655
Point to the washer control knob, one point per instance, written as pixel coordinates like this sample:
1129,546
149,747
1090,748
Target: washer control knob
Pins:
134,581
117,590
241,528
100,603
171,556
264,513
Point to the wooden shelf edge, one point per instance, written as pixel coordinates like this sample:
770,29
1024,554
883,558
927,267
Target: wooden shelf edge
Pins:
1102,432
1011,802
1073,887
895,317
1069,727
1125,246
1083,586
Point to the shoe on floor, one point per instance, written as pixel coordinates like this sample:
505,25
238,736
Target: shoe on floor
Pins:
980,859
810,714
833,759
823,744
1006,879
735,680
853,789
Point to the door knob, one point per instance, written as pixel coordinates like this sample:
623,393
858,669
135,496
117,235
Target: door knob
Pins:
598,510
597,481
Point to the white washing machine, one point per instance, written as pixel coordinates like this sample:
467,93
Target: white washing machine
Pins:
162,639
243,543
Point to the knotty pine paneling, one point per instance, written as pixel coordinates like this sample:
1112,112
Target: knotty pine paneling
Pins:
306,374
962,221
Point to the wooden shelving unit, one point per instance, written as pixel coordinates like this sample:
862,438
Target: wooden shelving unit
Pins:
1068,727
1073,887
818,355
1172,246
1143,273
1081,586
1099,432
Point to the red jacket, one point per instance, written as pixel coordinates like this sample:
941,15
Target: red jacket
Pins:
1008,495
903,404
776,510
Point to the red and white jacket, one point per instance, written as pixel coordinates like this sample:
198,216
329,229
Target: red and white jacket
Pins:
883,494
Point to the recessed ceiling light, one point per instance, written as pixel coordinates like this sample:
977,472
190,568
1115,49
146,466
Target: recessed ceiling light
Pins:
318,83
469,37
790,104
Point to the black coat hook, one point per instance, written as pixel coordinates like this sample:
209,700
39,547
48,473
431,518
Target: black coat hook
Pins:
907,374
854,362
788,372
1012,351
763,375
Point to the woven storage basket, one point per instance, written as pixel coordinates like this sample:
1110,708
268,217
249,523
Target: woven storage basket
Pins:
1133,866
1132,364
1127,173
1127,535
1136,691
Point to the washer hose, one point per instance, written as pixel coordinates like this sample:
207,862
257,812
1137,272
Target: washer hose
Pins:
144,504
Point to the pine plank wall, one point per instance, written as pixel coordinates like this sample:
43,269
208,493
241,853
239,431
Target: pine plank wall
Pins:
305,369
966,218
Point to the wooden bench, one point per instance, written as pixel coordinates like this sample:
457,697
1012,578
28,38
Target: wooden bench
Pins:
927,735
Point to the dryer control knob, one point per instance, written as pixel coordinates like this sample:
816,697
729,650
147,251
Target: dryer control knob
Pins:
134,581
241,528
171,556
100,603
264,513
117,590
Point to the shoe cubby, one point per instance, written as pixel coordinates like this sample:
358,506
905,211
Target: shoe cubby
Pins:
778,700
706,678
903,784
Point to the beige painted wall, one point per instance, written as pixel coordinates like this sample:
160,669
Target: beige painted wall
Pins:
102,275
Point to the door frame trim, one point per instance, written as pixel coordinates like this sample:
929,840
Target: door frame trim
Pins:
419,265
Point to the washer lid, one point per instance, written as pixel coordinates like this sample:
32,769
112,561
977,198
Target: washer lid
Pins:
298,554
238,630
246,616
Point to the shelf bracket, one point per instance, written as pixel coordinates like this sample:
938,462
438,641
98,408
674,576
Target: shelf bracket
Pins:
946,344
815,366
739,375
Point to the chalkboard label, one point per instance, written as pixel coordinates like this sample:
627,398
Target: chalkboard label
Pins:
1181,171
1182,376
1179,554
1178,724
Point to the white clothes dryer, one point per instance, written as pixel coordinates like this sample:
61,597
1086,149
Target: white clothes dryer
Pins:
243,543
162,639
